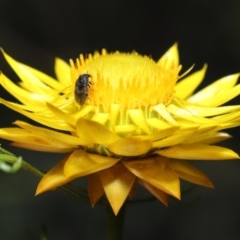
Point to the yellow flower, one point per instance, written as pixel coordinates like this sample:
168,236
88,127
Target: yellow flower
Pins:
135,123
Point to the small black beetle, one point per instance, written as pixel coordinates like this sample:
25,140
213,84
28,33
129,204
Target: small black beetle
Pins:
81,88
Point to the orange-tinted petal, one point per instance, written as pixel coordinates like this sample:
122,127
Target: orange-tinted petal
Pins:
160,195
157,172
117,182
43,148
53,178
81,163
190,173
95,188
133,190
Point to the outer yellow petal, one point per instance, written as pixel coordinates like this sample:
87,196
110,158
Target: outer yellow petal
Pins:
53,178
32,76
187,86
95,188
117,182
81,163
190,173
157,172
160,195
30,139
214,90
130,147
207,112
198,152
43,148
65,138
185,114
95,132
62,70
172,53
209,138
47,121
221,98
173,139
23,95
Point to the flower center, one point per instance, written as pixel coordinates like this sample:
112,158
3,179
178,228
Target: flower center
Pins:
130,80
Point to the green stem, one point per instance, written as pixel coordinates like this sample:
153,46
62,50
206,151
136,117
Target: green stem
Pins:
68,188
114,223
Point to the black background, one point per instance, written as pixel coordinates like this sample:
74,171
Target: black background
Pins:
34,31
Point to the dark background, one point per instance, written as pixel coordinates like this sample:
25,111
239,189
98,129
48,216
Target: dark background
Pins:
34,31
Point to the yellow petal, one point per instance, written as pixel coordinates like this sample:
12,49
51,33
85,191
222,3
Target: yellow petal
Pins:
53,178
117,182
214,91
95,188
198,152
209,138
27,138
81,163
130,147
173,139
62,70
65,138
207,112
185,114
137,116
165,114
221,99
190,173
47,121
160,195
100,118
215,138
23,95
113,115
187,86
43,148
83,111
32,76
124,129
157,172
160,124
172,53
95,132
60,114
159,134
227,118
